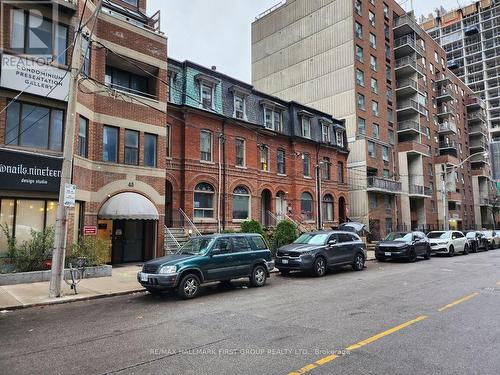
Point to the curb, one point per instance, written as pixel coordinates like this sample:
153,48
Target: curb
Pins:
69,300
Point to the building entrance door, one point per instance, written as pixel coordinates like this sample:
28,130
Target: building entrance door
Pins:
128,241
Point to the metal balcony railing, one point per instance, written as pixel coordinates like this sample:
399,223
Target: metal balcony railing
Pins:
409,125
384,184
410,103
448,144
420,190
408,82
476,116
447,127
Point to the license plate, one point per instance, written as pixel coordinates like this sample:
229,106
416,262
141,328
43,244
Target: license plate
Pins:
387,254
144,277
284,261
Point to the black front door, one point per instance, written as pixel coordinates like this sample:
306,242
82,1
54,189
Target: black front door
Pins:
128,241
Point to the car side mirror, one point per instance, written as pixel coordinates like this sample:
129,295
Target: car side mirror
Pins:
453,237
332,242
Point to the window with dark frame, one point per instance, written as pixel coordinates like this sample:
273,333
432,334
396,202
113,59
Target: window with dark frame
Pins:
280,156
131,147
110,144
306,158
325,166
240,152
340,172
82,137
150,149
205,145
168,141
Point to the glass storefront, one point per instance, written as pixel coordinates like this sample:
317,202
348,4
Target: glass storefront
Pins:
22,216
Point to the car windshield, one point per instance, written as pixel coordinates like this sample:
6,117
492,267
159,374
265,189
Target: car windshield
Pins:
488,233
397,236
312,239
471,235
441,235
197,246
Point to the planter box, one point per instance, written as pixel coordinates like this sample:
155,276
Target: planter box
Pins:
39,276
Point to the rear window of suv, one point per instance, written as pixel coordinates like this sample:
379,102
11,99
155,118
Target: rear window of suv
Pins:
259,243
240,244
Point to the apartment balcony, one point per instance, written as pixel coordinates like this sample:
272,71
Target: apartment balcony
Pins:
444,95
419,191
409,107
406,45
406,66
478,129
453,196
443,78
414,148
409,127
446,159
383,185
478,146
445,111
447,128
404,25
408,87
478,160
449,147
486,202
476,117
474,103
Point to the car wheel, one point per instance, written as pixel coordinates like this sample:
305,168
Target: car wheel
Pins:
359,262
451,252
259,276
285,272
427,254
466,250
412,256
486,246
189,287
474,248
319,267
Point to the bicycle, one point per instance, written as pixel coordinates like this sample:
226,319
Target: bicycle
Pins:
75,274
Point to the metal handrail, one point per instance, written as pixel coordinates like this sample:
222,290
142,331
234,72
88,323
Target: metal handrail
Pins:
170,236
191,224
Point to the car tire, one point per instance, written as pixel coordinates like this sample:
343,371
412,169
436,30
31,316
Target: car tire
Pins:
466,250
486,246
474,248
427,254
451,252
319,267
358,263
259,276
189,287
412,256
284,272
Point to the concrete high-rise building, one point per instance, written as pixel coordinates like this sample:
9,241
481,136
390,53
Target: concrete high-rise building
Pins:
408,117
471,39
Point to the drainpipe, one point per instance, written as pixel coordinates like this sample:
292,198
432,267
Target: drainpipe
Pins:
223,175
318,190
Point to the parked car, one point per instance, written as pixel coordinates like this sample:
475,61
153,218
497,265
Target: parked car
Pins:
407,245
206,259
493,238
448,242
316,252
477,241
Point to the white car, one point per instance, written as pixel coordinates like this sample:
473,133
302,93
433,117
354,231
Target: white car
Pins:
448,242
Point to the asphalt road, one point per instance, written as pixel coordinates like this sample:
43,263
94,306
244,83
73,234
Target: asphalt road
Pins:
440,316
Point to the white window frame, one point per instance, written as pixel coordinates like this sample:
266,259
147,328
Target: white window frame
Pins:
326,133
212,101
242,98
274,111
340,138
211,146
244,153
306,120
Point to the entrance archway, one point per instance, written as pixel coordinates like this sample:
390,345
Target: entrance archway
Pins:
265,199
131,221
342,215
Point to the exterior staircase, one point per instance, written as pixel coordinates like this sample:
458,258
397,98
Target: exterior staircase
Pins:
174,238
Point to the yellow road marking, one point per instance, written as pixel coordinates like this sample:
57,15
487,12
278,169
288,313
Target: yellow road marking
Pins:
367,341
458,301
385,333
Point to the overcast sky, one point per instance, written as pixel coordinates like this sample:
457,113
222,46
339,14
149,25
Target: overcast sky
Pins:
217,32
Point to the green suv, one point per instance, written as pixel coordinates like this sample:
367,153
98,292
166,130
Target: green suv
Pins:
218,257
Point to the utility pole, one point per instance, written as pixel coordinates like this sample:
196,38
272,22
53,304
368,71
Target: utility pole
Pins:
318,196
445,199
59,253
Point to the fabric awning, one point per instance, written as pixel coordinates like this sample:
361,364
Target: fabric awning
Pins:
128,206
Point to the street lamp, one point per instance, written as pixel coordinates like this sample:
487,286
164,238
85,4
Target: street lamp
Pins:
453,168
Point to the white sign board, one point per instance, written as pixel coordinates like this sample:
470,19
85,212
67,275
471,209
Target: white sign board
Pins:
69,195
34,77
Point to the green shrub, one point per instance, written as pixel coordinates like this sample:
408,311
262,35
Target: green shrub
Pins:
94,250
284,234
251,226
32,253
11,241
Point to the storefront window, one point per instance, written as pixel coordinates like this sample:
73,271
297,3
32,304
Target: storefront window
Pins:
7,221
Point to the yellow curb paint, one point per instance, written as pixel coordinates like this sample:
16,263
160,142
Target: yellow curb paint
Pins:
458,301
328,359
385,333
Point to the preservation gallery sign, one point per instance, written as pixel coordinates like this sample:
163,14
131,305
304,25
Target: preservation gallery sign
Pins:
34,76
21,171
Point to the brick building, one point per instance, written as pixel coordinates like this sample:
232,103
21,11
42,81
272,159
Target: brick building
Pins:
120,138
408,117
235,154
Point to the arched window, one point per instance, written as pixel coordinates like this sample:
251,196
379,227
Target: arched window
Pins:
328,208
241,203
203,203
306,206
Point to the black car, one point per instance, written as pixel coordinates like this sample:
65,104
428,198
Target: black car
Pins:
477,241
316,252
407,245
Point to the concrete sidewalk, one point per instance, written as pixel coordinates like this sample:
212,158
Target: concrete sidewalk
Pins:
123,281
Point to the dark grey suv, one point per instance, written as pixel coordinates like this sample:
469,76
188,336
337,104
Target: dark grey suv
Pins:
317,251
